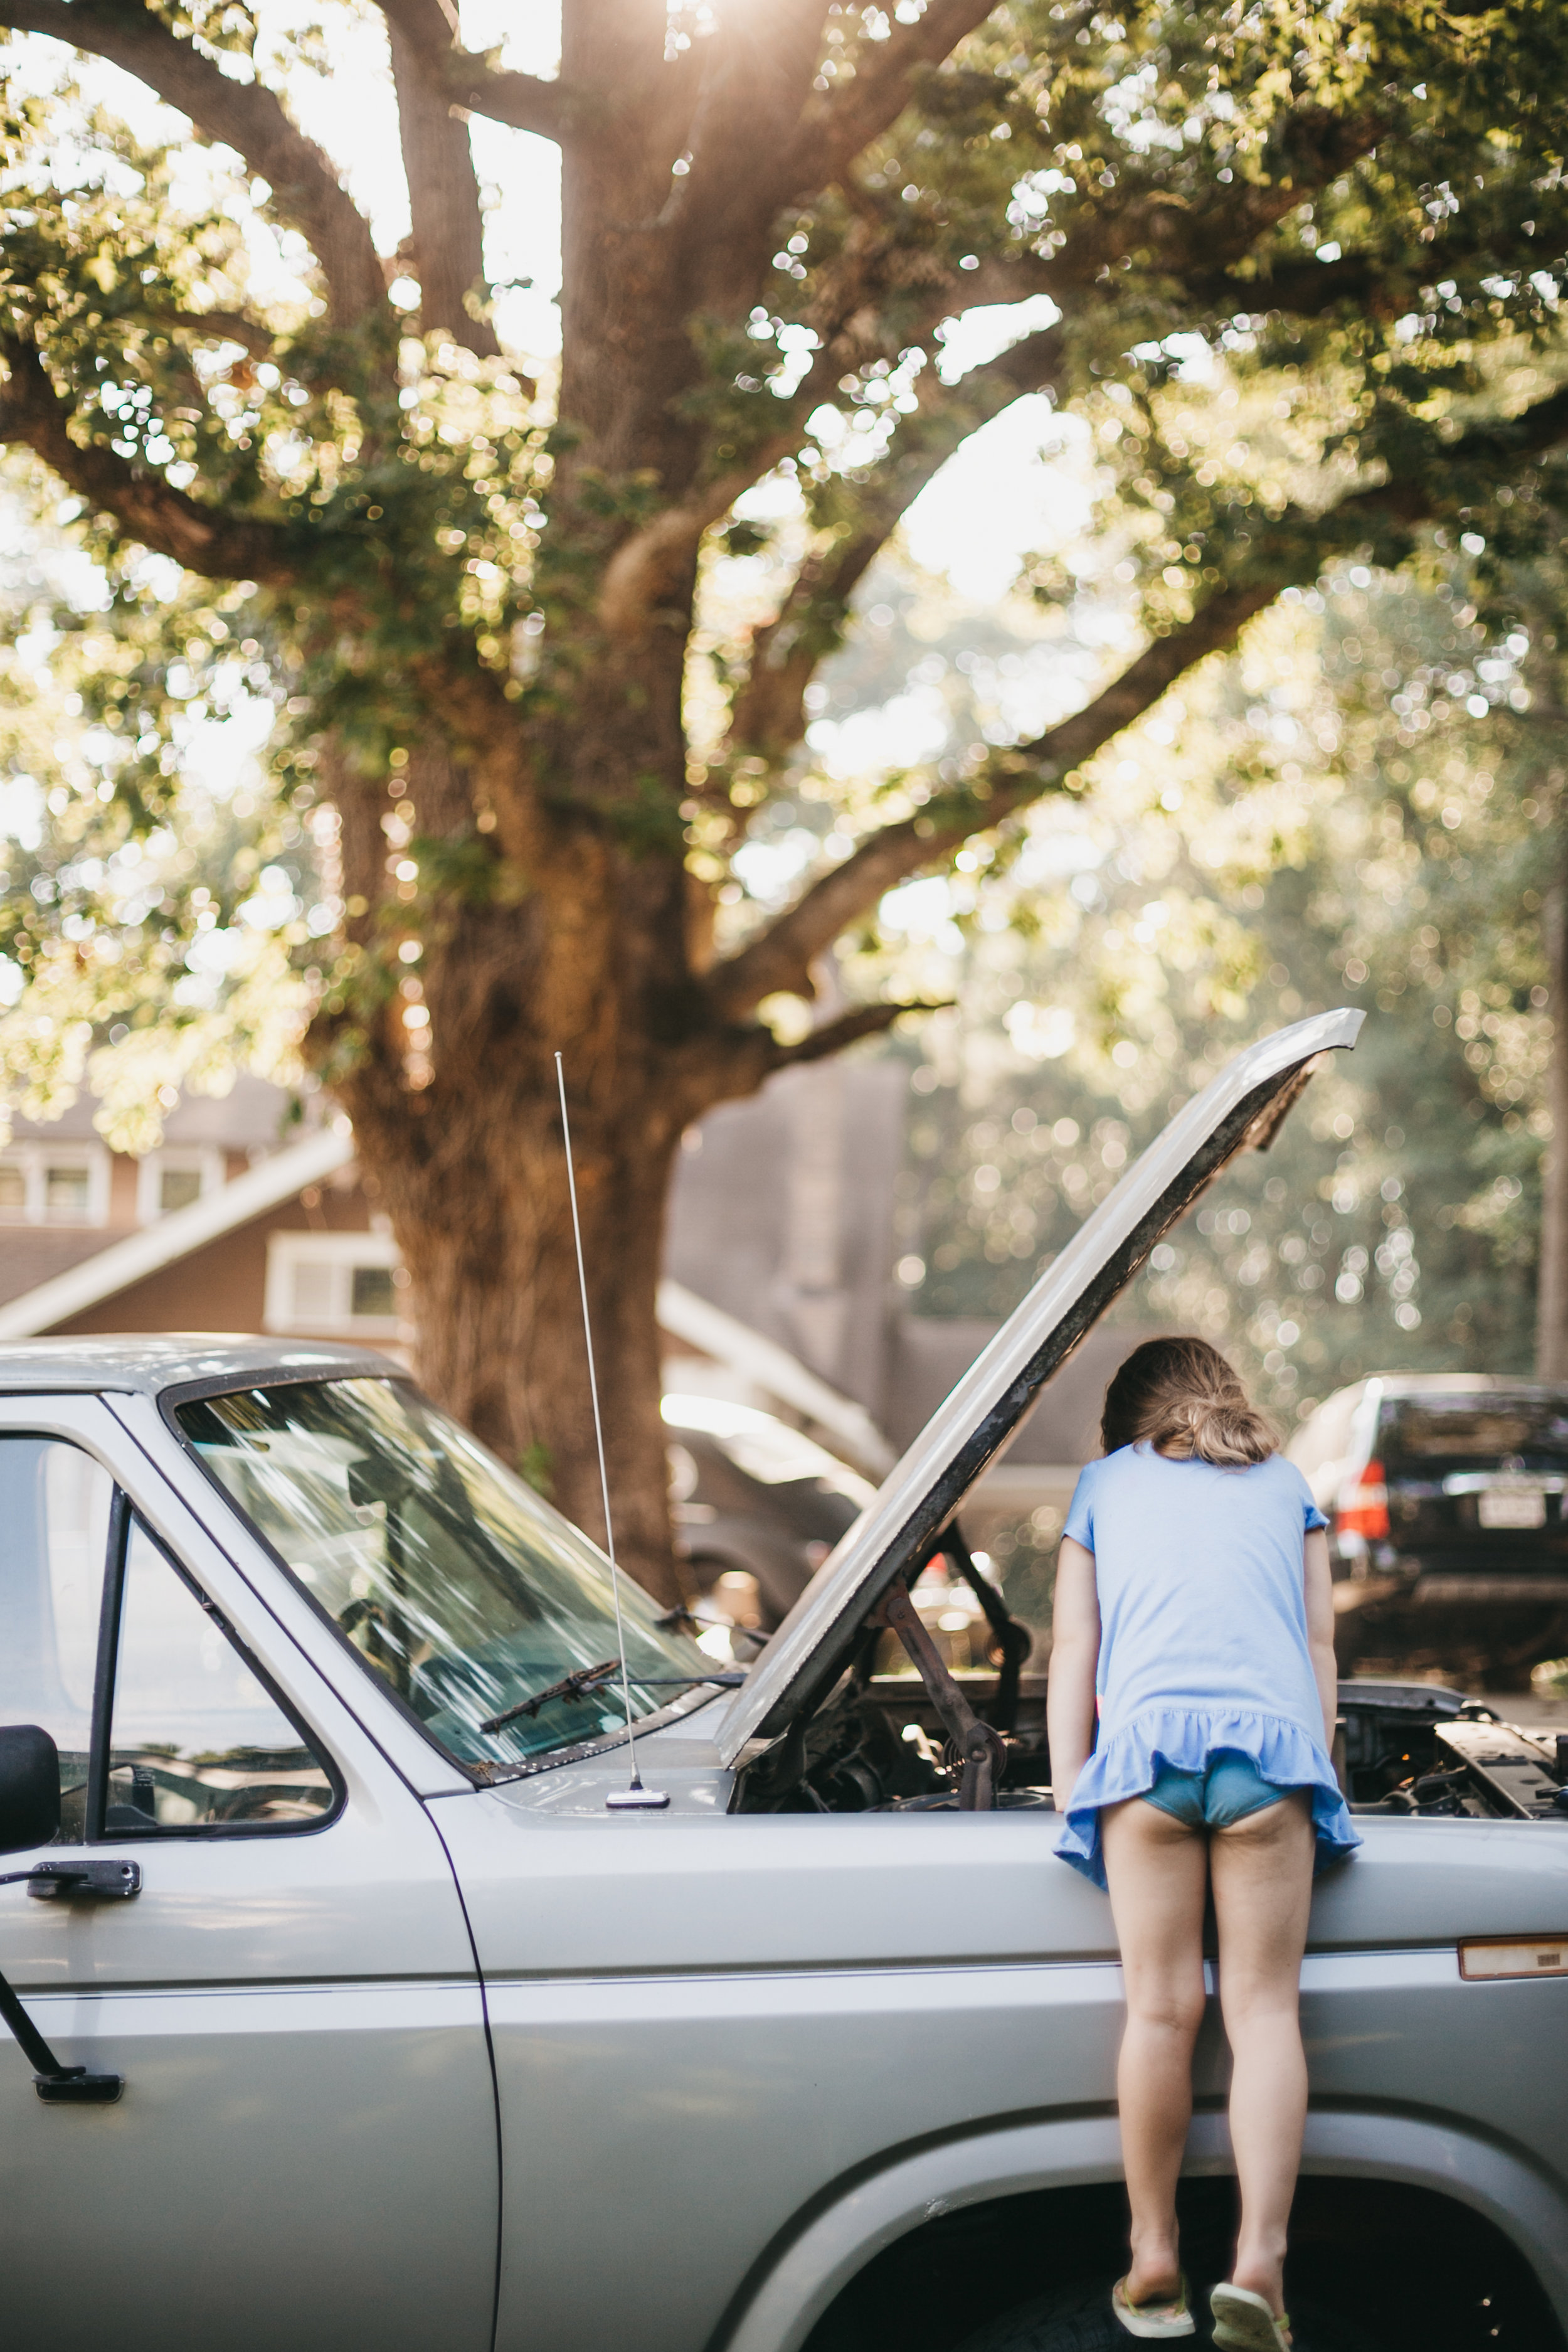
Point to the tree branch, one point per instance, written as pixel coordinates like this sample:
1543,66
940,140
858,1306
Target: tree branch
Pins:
443,190
1291,551
549,109
883,84
218,546
212,326
1305,288
242,115
1162,230
768,713
1198,245
755,76
875,272
866,1021
466,79
648,566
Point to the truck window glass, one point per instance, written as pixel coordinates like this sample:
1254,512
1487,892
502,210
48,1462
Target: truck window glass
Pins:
450,1577
1474,1429
197,1742
54,1507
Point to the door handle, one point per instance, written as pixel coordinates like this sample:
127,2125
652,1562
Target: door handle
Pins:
104,1881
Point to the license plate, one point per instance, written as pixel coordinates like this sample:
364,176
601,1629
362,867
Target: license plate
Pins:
1512,1507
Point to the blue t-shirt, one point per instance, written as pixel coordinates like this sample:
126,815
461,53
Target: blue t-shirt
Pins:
1199,1575
1203,1633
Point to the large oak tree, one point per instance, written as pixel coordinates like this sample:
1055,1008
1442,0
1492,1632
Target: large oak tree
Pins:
473,595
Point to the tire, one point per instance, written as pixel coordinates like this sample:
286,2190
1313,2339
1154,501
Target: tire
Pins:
1070,2319
1080,2319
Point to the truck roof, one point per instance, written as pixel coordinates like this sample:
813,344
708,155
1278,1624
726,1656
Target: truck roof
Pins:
149,1363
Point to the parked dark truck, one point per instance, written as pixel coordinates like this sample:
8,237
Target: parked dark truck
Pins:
1448,1533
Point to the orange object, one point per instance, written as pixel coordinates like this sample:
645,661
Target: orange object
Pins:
1363,1508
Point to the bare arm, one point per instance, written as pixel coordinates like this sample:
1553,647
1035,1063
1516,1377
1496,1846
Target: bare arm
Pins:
1074,1653
1320,1630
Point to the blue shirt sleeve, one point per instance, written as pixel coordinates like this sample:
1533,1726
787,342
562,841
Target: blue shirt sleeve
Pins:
1311,1515
1081,1510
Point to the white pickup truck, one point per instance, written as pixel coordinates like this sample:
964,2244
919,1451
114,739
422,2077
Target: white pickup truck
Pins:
350,2008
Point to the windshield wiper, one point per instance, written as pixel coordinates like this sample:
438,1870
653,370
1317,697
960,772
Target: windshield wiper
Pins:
571,1687
730,1677
574,1687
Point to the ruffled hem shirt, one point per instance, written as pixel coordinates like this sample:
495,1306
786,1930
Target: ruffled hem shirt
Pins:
1203,1637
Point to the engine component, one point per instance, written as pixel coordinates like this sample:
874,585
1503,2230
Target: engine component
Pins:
1510,1770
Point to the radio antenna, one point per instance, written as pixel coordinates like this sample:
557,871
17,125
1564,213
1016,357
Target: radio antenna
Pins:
634,1796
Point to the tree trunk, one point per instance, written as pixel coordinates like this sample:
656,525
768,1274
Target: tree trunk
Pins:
572,935
484,1220
1551,1305
457,1120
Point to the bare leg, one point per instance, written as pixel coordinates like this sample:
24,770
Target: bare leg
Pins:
1261,1869
1157,1870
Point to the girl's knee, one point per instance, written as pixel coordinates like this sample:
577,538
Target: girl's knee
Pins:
1268,2006
1169,2008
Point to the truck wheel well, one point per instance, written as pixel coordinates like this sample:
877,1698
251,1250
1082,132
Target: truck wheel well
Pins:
1423,2272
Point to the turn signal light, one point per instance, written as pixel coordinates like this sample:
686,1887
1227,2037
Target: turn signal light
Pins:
1363,1508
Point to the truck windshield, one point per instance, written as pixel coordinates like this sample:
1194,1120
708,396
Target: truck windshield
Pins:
448,1576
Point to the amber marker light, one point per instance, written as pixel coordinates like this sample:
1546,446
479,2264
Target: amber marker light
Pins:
1515,1956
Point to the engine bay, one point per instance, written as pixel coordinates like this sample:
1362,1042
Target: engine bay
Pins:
1417,1748
893,1742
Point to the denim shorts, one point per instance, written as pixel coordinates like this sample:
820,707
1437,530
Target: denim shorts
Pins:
1231,1789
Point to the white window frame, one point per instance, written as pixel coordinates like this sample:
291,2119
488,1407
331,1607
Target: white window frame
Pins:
286,1252
34,1161
204,1158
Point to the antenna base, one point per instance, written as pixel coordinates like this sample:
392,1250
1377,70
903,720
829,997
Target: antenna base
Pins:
636,1800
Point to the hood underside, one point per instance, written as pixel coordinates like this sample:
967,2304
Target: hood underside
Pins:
1240,1109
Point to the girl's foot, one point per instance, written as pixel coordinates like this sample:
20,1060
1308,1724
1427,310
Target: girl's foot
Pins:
1167,2316
1245,2322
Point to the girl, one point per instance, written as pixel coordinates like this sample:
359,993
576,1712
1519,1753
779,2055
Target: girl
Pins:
1192,1606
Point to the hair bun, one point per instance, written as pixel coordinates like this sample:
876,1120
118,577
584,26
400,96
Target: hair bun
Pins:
1183,1398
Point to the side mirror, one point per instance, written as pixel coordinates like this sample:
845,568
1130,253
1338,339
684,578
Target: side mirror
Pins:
29,1786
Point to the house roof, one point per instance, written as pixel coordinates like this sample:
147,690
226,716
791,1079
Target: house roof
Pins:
78,1271
251,1116
101,1272
32,1255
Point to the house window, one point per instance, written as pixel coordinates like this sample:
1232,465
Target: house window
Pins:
372,1291
170,1180
54,1184
66,1187
335,1284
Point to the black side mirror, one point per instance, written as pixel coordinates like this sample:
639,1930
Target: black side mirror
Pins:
29,1786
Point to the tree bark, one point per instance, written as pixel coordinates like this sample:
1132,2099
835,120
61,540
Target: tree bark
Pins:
457,1122
482,1215
1552,1303
443,201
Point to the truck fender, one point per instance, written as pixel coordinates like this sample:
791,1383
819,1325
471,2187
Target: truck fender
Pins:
812,2260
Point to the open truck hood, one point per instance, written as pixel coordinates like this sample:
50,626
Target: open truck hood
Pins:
1242,1107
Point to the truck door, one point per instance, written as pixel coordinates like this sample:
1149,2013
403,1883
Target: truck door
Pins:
304,2151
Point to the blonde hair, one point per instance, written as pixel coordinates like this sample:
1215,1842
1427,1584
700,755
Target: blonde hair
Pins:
1181,1397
